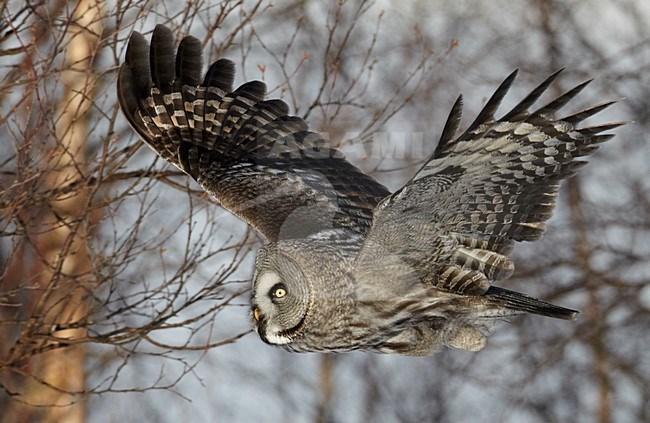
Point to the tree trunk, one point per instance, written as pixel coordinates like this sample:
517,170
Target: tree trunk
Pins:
53,268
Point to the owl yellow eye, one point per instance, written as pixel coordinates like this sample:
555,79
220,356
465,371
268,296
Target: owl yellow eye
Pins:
278,291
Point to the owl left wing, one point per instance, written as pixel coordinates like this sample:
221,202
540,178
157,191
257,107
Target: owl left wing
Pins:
455,222
263,165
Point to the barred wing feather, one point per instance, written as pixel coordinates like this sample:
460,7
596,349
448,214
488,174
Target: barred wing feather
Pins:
455,222
260,163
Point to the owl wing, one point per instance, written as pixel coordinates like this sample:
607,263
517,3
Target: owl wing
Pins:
263,165
454,223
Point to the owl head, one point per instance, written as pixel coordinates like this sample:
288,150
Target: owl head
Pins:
293,302
282,297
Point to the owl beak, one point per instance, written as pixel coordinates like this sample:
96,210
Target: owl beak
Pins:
256,314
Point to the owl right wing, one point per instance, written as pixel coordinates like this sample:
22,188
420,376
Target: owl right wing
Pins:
455,222
264,166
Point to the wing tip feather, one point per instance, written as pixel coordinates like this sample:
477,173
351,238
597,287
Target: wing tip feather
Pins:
451,126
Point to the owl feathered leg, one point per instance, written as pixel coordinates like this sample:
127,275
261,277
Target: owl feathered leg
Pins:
498,302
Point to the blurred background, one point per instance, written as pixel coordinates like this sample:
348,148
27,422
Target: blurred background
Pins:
124,288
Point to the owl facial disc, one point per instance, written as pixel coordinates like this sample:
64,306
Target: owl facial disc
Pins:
270,300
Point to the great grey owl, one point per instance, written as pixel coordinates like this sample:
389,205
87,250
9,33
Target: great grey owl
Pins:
350,266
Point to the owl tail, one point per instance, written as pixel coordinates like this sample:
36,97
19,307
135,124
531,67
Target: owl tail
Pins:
523,303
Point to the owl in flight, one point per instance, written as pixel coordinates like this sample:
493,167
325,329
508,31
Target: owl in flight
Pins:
349,265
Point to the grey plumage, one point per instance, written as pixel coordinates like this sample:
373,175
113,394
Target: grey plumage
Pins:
349,265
